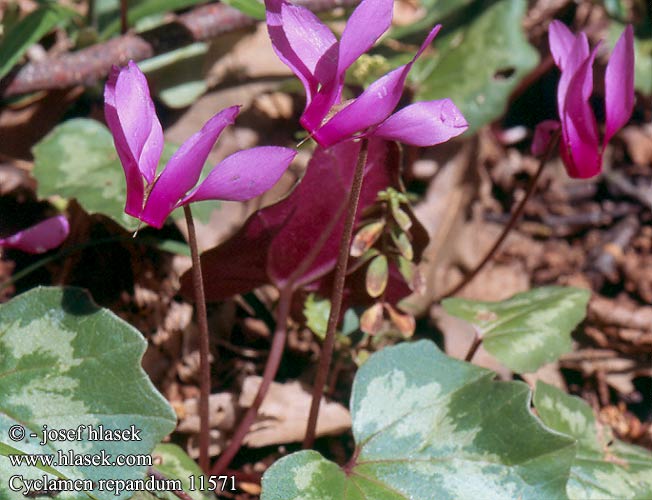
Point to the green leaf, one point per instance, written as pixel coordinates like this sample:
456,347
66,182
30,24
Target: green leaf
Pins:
253,8
178,75
316,310
604,466
429,426
479,64
176,464
144,9
377,276
77,159
30,30
436,10
527,330
67,363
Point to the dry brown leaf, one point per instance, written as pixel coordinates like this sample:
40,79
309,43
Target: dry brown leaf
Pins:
283,415
222,413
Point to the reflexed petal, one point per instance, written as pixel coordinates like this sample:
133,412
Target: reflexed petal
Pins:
424,123
138,119
619,84
373,106
244,175
542,135
367,23
303,43
135,188
561,41
44,236
579,128
184,168
577,56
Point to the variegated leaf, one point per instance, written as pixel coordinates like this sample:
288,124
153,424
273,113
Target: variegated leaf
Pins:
65,363
429,426
527,330
604,467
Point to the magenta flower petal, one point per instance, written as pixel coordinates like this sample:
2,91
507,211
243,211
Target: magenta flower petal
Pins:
44,236
619,84
244,175
367,23
579,128
542,135
302,41
138,119
373,106
424,123
561,41
574,59
135,188
184,168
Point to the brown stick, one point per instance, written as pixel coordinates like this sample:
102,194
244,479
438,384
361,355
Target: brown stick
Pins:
88,66
510,225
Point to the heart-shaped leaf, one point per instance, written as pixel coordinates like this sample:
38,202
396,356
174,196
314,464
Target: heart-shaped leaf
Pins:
78,160
429,426
604,466
479,64
527,330
66,363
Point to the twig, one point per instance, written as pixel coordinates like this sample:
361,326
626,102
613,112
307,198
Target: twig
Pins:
477,342
124,24
271,368
510,225
336,296
88,66
204,344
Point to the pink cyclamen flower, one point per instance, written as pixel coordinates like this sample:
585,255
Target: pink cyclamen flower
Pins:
138,138
313,53
580,147
39,238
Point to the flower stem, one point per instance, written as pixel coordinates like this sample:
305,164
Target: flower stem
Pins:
204,344
336,296
273,362
516,214
475,345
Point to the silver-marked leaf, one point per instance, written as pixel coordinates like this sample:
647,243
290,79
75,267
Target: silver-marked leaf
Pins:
174,463
604,467
78,160
66,363
428,426
479,64
527,330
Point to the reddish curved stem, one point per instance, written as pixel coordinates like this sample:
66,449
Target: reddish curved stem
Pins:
271,368
204,344
510,225
336,296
